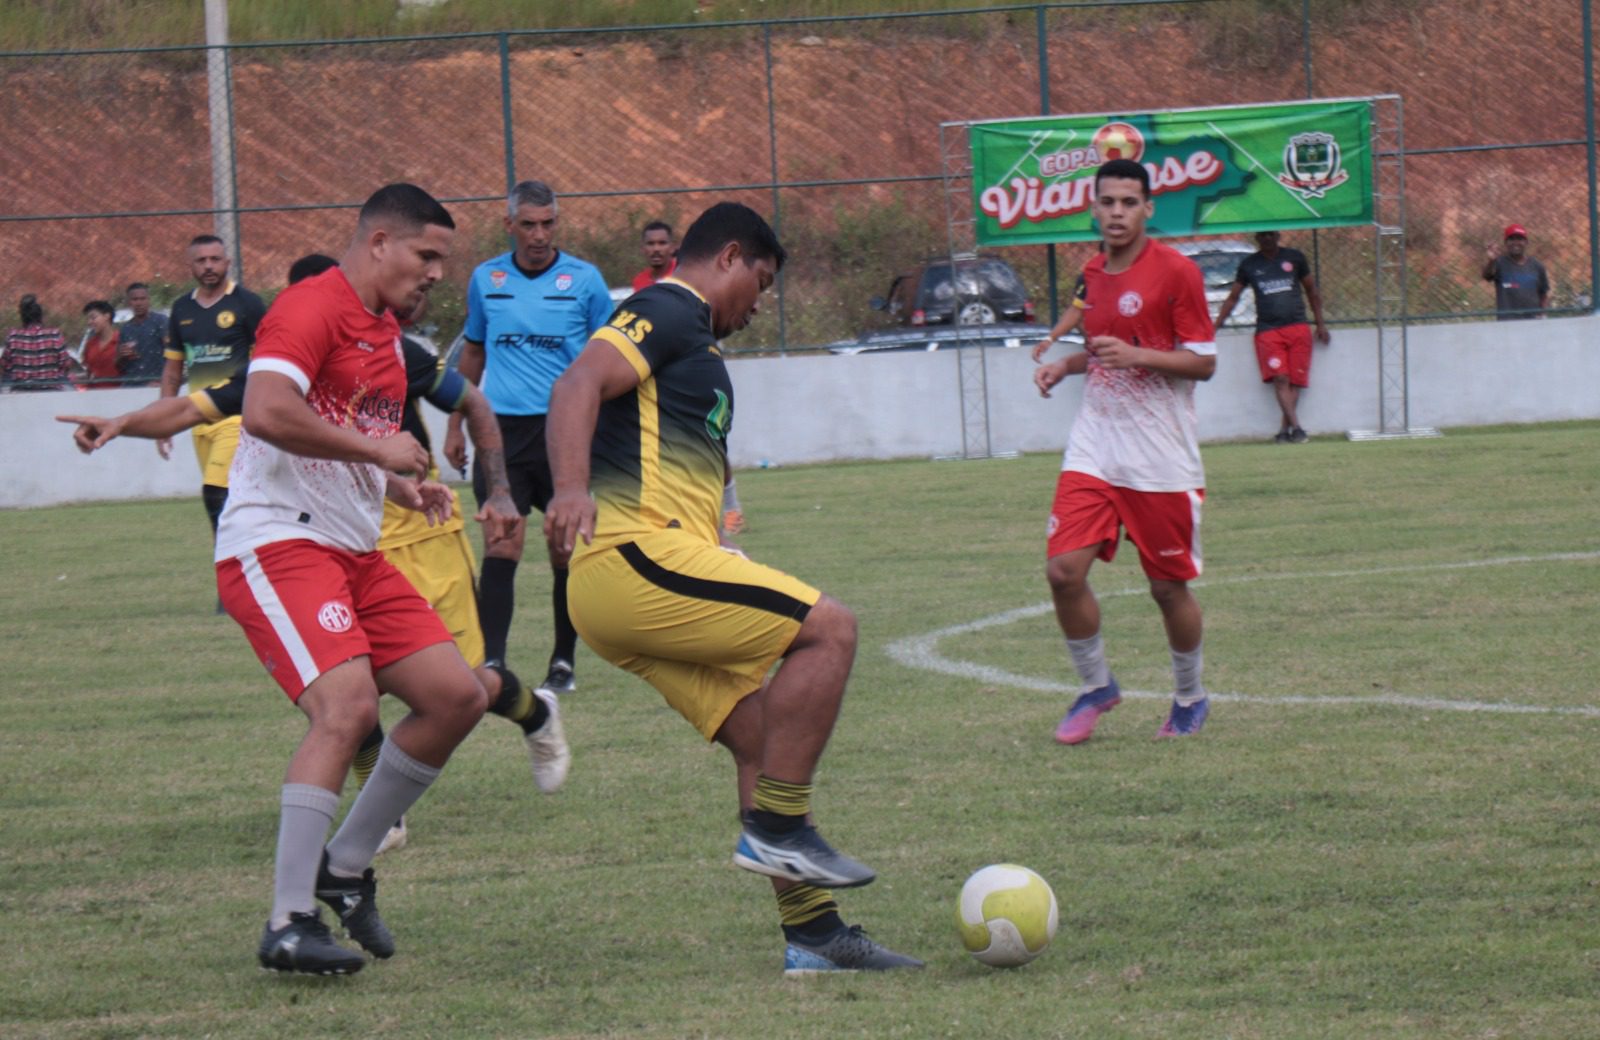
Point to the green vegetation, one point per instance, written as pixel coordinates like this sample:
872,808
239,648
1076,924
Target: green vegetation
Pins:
1320,863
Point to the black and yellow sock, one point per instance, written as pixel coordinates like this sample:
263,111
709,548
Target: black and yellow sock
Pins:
516,702
780,806
367,755
808,912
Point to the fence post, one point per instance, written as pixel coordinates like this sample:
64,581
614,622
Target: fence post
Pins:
1588,130
505,111
777,201
1044,110
219,99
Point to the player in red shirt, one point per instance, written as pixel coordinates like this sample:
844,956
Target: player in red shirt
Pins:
1133,459
660,254
298,567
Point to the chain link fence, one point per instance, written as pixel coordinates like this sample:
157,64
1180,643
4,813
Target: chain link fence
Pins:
829,126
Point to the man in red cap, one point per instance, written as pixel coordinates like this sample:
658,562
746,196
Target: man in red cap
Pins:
1521,287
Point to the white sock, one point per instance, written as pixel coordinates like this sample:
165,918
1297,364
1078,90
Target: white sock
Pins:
1186,665
303,819
1089,657
395,785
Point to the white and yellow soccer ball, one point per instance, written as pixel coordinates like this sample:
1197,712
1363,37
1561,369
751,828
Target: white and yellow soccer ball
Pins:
1007,915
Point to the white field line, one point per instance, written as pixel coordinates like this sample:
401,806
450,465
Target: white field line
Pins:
922,652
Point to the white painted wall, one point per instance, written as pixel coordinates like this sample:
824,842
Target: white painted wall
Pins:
819,408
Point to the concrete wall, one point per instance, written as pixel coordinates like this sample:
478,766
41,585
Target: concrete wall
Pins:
813,409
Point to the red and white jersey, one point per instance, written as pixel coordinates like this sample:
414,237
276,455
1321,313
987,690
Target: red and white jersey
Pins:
347,361
1136,428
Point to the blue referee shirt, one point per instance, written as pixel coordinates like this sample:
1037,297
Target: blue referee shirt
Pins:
532,328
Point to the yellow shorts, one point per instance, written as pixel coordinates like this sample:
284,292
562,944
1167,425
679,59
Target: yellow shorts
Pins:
441,568
699,624
213,446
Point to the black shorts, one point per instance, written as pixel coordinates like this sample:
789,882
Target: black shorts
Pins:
527,464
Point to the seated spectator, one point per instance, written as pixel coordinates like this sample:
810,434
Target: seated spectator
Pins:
143,338
100,354
36,356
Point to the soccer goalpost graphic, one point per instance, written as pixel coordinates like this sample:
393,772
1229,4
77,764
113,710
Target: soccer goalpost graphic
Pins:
1332,162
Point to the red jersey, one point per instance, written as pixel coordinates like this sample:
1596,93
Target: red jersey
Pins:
100,361
348,363
646,278
1136,428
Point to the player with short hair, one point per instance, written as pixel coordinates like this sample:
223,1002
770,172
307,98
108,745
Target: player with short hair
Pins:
1133,458
1278,275
298,568
210,333
643,417
660,254
529,313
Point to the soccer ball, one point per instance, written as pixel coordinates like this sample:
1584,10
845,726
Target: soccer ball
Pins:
1007,915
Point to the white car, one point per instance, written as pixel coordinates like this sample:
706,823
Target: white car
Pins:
1218,260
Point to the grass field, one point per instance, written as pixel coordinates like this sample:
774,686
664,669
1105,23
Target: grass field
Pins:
1345,851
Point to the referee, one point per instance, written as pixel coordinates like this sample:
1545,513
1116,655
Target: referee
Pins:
529,312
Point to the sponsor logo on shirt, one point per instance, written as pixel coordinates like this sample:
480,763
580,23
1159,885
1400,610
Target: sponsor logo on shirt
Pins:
335,616
563,282
1129,304
529,340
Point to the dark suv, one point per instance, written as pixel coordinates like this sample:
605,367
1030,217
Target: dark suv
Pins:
985,290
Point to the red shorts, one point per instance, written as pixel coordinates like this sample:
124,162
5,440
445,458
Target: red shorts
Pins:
306,607
1163,525
1285,352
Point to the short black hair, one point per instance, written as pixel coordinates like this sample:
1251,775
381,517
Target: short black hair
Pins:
29,310
405,204
656,225
134,286
1124,168
205,240
731,222
309,266
102,306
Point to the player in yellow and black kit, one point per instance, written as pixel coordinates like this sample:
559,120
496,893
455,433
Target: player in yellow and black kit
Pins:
211,331
642,417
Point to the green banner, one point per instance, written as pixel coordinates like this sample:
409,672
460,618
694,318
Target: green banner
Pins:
1212,170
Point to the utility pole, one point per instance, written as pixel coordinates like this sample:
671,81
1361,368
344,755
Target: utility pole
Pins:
219,91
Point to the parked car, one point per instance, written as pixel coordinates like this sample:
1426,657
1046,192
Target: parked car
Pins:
984,291
1218,260
1007,336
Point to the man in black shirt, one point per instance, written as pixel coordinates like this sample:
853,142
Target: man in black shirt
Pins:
143,337
1521,286
1278,276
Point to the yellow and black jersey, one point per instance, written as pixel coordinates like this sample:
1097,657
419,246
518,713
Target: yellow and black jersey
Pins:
214,342
660,450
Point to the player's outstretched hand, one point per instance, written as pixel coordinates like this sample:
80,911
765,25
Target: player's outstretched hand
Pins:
402,454
436,501
1045,377
455,449
499,518
568,517
92,432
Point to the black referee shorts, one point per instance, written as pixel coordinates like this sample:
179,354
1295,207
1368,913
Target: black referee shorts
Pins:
527,464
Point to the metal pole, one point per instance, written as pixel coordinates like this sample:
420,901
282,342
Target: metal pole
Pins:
1588,128
1044,110
777,200
224,193
1305,35
505,111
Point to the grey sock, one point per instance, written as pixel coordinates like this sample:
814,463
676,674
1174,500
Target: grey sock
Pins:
1186,667
397,782
303,822
1089,656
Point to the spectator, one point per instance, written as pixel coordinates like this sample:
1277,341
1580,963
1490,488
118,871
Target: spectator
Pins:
101,360
660,254
1281,280
143,339
1521,287
36,356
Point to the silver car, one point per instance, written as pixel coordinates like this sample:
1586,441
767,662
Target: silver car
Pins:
1218,260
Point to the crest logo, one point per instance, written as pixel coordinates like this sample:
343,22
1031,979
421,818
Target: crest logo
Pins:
335,616
1312,165
1129,304
497,279
225,319
1288,268
563,282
